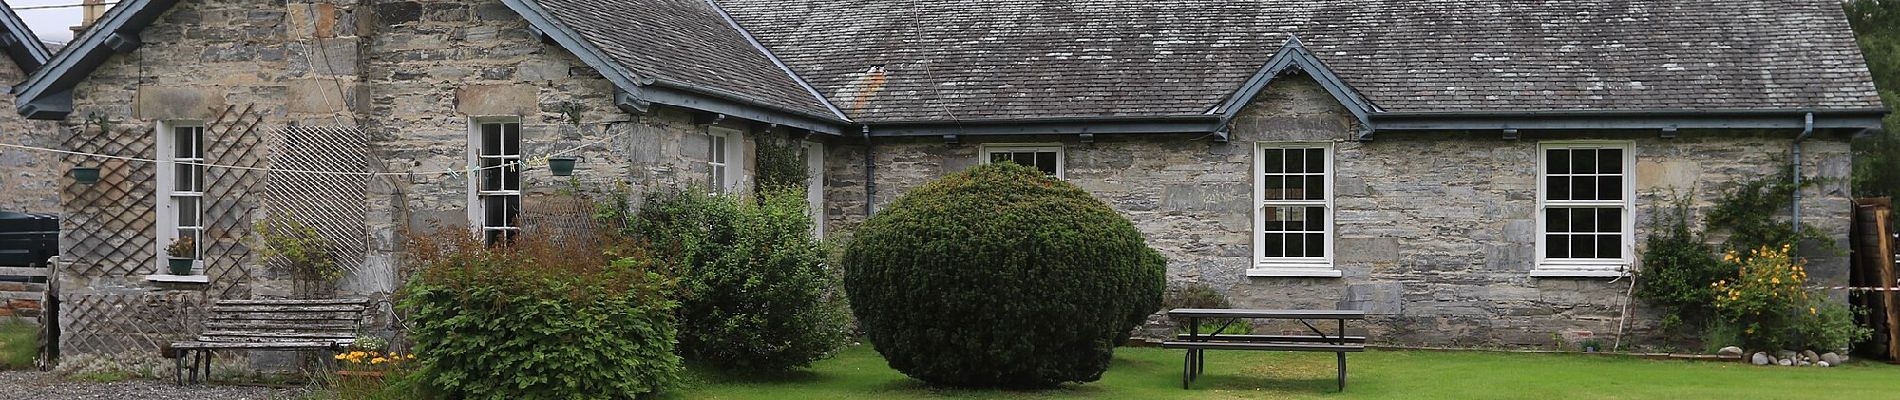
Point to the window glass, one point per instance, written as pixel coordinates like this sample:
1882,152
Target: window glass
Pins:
1584,202
1294,209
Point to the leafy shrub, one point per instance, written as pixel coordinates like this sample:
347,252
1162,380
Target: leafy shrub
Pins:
1200,295
1770,301
998,276
533,319
1678,267
754,290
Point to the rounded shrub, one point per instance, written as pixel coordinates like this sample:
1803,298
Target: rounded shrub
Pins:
1000,277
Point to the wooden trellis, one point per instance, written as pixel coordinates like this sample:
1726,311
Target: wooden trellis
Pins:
332,205
109,236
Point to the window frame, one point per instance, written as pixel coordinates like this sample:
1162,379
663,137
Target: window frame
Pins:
166,180
729,169
1585,267
477,197
1062,154
1264,266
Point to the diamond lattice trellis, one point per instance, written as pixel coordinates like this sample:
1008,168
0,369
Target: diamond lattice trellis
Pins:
333,205
109,234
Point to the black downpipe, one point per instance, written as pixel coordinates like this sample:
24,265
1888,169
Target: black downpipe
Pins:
870,174
1795,209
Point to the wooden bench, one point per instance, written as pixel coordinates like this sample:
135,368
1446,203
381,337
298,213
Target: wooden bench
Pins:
316,325
1197,343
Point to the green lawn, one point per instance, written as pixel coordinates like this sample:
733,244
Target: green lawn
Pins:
1146,373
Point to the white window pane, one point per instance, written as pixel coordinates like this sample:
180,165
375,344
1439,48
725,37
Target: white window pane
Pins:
1610,161
1557,161
187,210
491,140
511,138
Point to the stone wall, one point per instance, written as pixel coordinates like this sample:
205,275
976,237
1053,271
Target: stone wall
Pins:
410,75
1435,233
31,181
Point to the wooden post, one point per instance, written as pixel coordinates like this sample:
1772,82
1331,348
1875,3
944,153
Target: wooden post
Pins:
1884,250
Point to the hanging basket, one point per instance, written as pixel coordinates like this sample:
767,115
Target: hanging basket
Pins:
85,175
561,166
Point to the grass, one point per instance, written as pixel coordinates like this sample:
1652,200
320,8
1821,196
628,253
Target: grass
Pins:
1148,373
19,344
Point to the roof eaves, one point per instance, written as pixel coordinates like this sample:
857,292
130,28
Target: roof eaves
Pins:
22,46
46,92
1294,54
634,90
836,113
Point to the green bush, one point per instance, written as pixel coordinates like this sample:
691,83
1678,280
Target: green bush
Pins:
755,294
1200,295
1679,266
998,276
538,320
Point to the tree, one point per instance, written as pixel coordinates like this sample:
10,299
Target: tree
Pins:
1876,26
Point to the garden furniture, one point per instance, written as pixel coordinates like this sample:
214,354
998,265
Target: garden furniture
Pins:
315,325
1197,343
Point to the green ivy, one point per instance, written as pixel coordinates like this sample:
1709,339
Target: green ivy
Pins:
781,163
1752,214
1678,267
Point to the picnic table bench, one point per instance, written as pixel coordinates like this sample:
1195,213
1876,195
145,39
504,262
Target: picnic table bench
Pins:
318,325
1197,343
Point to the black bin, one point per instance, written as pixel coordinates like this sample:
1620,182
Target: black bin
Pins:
27,240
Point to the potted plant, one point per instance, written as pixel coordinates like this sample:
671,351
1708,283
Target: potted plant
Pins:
561,165
184,253
85,175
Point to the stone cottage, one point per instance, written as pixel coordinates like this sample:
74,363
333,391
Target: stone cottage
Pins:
1469,173
31,178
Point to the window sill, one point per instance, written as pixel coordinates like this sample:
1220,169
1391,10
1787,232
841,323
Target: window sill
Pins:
169,278
1604,272
1293,272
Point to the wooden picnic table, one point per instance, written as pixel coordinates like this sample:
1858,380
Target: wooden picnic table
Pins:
1197,343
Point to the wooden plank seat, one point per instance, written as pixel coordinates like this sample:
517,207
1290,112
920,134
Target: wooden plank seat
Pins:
315,325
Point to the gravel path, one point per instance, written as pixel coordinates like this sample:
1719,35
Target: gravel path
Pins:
41,385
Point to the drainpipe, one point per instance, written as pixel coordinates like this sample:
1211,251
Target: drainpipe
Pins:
1807,129
870,174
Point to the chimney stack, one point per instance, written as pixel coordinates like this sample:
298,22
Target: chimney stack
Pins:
92,10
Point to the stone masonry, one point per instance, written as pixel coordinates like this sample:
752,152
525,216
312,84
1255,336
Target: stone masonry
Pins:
1435,232
31,181
412,74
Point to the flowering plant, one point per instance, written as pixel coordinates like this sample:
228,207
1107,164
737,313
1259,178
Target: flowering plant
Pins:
1770,300
373,360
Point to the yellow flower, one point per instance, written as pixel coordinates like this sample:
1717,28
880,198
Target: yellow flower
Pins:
341,356
1811,311
410,356
377,360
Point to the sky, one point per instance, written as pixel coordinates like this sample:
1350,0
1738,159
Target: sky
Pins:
51,24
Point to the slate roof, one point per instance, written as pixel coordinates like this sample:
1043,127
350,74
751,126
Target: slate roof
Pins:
966,60
24,48
686,43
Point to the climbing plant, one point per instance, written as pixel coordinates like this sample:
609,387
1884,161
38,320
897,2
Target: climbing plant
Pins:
781,163
1753,213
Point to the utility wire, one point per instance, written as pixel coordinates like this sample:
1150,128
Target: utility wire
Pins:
526,162
19,8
